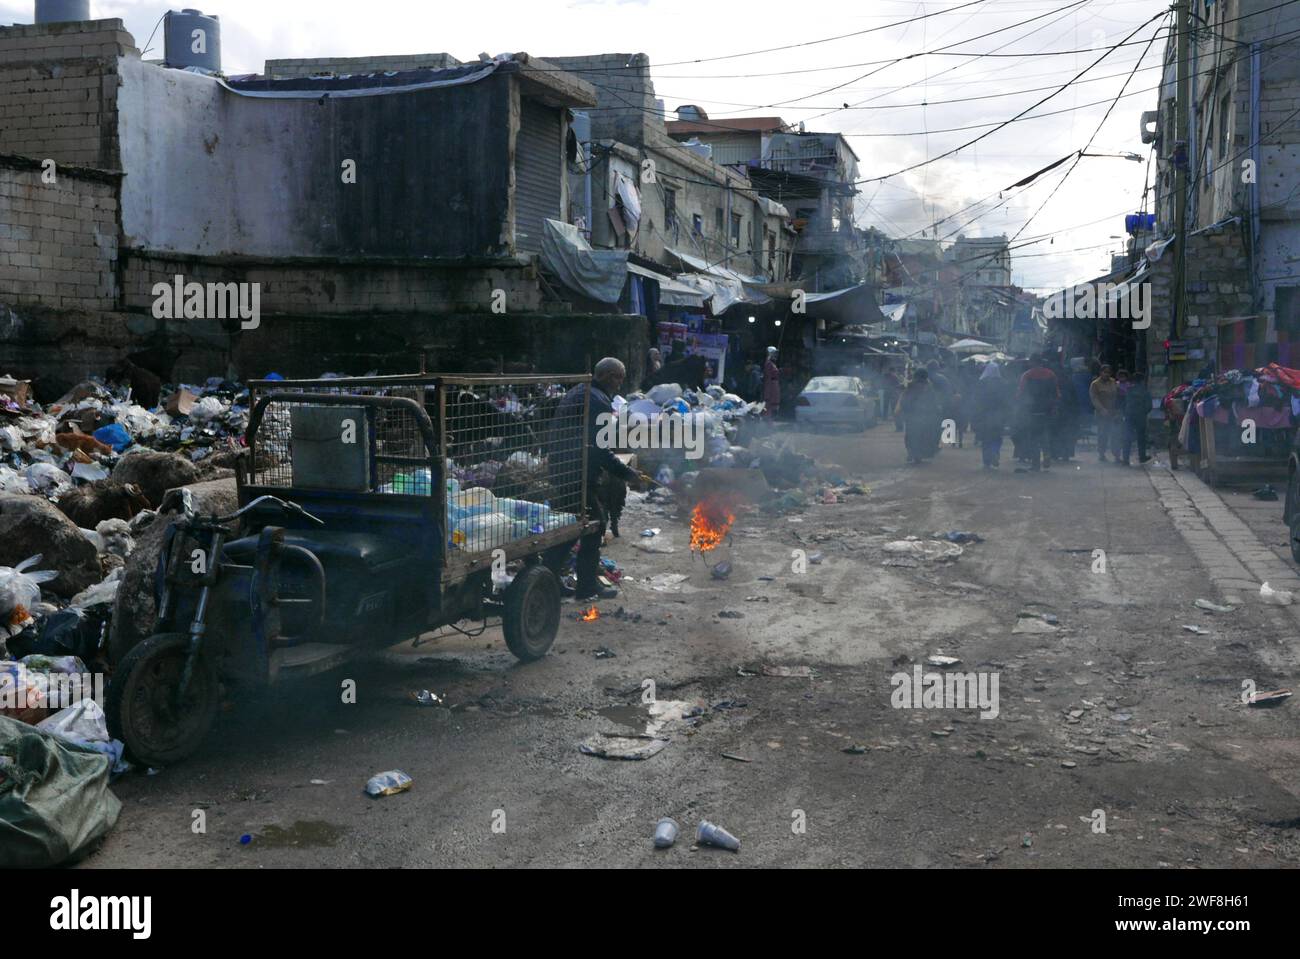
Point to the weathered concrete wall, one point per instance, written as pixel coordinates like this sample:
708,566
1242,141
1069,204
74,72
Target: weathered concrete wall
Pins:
215,173
58,91
59,348
58,241
339,287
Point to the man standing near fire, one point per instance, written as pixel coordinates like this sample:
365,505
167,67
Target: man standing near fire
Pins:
565,460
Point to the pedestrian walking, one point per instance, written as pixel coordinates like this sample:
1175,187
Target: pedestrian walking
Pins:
771,384
921,408
1038,397
1137,409
1104,393
990,413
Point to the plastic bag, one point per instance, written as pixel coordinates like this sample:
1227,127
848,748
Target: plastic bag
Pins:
47,479
20,589
55,804
114,435
100,594
83,723
389,784
664,393
208,408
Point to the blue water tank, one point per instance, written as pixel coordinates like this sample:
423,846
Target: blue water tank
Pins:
62,11
191,39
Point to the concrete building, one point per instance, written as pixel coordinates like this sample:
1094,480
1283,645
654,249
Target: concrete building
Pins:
689,203
369,235
1239,305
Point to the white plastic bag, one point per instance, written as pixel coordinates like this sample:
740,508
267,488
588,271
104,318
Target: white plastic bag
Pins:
664,393
83,723
21,588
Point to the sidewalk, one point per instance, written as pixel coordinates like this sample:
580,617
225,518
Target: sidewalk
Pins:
1242,545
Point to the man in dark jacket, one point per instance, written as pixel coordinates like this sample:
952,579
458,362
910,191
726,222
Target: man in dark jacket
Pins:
565,464
1137,407
1039,396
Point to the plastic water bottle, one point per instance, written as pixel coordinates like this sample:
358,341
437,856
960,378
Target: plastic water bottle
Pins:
711,835
666,833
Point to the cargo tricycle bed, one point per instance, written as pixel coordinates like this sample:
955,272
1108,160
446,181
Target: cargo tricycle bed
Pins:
372,510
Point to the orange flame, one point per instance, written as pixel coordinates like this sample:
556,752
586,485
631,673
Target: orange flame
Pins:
590,616
710,524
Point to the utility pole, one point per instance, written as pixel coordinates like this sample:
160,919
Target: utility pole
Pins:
1182,162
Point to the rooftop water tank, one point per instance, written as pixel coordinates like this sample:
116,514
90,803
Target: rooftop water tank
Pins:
62,11
191,39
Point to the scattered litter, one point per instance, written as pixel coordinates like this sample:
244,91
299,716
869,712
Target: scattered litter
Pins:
1198,630
1276,597
389,784
650,533
666,582
735,758
657,544
855,750
788,672
605,653
721,571
942,662
1266,493
1275,698
1069,764
1034,623
426,698
321,782
710,835
1209,607
623,746
960,537
758,599
666,833
930,551
730,614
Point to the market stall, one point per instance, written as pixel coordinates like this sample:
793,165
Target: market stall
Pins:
1240,425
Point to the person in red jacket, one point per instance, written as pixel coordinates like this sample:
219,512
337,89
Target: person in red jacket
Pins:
1039,396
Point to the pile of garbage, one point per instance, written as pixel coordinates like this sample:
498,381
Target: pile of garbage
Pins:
715,415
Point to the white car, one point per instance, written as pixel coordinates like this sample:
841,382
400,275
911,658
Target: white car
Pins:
836,401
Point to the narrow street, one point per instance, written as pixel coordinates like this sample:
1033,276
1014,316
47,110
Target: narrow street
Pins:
1120,709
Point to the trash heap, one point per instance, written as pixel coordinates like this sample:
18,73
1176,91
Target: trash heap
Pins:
1269,397
719,417
80,479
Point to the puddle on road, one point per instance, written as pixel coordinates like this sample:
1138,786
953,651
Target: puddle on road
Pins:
310,834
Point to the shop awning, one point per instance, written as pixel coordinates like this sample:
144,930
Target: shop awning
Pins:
597,274
671,292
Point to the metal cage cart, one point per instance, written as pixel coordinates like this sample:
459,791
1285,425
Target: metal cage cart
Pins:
372,510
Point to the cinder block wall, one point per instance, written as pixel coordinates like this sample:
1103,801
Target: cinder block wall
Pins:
340,288
58,241
344,66
58,91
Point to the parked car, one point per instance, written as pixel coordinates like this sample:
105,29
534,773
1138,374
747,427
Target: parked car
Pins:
836,401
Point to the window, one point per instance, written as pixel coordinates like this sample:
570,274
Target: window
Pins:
670,209
697,224
718,221
1286,310
735,230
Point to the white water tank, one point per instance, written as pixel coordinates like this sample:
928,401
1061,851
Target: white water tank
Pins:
62,11
191,39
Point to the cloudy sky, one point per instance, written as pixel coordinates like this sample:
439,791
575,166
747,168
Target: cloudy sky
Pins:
900,111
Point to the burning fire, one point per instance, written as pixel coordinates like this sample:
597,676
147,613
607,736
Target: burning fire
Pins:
590,616
710,524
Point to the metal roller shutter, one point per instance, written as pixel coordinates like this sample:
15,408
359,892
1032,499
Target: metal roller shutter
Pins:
538,174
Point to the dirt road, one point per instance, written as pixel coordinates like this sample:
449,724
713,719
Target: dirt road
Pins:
1118,715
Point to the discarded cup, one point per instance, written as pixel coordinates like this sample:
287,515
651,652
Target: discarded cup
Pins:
711,835
666,833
